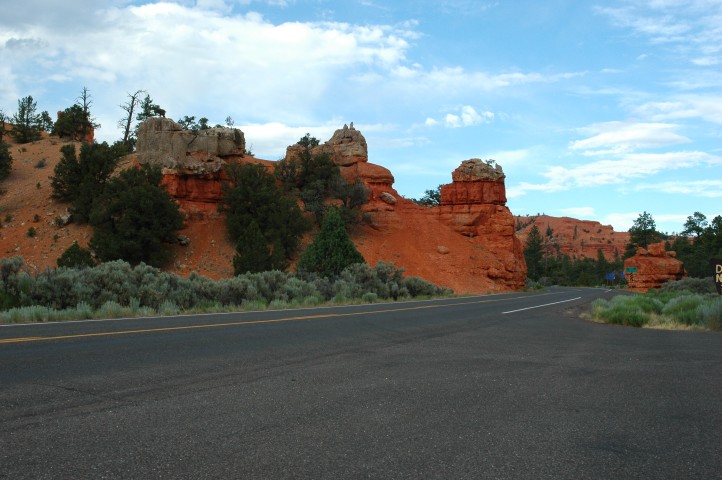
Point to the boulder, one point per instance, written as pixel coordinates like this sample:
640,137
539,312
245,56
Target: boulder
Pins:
346,147
386,197
163,142
651,267
475,169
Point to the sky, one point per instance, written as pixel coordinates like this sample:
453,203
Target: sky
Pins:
598,110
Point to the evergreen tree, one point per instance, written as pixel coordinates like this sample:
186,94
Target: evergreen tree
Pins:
314,177
76,257
695,225
73,122
252,251
3,122
81,180
251,195
27,124
642,233
332,250
431,198
134,217
6,160
534,253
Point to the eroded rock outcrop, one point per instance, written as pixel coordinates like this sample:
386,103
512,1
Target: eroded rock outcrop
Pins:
467,243
192,160
163,142
651,267
474,205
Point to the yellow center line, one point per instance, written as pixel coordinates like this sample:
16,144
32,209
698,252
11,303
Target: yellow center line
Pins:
245,323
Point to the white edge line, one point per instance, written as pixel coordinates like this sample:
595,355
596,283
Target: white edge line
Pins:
539,306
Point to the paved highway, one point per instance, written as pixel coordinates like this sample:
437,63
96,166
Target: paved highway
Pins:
501,386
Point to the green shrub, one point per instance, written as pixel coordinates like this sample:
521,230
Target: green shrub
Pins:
710,313
623,310
116,289
31,232
369,297
111,309
683,309
690,284
168,307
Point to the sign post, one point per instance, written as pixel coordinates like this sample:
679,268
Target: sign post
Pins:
716,264
630,271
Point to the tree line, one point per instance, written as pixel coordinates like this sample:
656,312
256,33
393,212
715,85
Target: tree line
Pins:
698,242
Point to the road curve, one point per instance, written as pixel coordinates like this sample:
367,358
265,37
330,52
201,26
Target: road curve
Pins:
499,386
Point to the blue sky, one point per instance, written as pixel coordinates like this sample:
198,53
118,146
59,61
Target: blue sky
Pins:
598,110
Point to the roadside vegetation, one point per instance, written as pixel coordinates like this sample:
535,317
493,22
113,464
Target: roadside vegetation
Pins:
117,289
687,304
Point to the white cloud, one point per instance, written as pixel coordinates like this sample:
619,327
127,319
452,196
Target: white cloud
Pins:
198,59
688,28
467,117
699,188
703,106
269,140
665,222
621,137
621,170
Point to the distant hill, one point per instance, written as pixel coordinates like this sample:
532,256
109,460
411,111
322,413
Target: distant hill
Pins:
575,238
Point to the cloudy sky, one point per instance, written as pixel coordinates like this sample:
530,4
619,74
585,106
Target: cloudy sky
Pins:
598,109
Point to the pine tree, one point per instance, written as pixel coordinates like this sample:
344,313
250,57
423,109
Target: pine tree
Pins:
76,257
27,124
251,195
332,250
6,160
134,218
82,179
533,253
252,252
642,233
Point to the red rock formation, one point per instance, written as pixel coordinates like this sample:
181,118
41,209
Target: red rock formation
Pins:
467,244
574,238
474,205
651,267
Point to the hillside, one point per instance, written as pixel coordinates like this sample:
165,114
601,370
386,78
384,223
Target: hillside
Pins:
446,245
575,238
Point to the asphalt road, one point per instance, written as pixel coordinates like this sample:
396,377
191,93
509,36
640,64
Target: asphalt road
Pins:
476,387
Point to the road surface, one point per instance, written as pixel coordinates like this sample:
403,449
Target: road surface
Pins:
500,386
